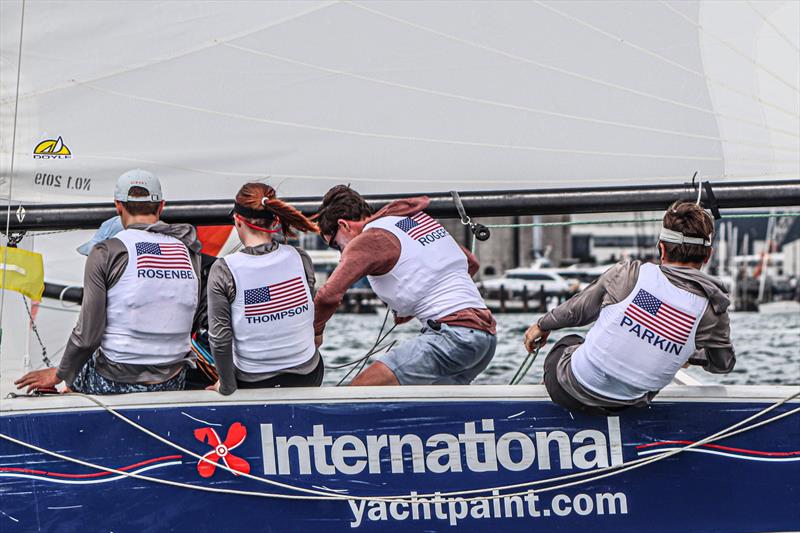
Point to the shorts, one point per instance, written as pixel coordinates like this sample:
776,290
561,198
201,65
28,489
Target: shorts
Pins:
559,359
452,355
90,381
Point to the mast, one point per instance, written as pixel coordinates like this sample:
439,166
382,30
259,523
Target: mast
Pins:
477,204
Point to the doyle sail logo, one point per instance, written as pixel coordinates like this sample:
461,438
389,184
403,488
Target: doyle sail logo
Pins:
52,149
222,450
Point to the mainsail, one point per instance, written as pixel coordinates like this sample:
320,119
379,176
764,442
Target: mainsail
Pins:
396,97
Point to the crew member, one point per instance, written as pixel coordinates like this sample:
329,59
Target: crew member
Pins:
260,300
651,321
140,294
418,270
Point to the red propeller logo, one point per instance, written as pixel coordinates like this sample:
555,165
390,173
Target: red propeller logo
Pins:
222,450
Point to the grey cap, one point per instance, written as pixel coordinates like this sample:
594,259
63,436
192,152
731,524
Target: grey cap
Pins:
138,178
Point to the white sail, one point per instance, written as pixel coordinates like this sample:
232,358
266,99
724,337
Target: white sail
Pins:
389,96
396,96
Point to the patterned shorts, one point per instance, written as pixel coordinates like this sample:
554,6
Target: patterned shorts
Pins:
89,381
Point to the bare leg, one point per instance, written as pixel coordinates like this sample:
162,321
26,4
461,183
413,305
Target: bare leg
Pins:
375,375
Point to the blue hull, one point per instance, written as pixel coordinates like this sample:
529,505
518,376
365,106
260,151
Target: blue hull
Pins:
748,482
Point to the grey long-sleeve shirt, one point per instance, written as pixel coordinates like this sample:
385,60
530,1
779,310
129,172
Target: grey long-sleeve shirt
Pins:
715,352
105,265
221,294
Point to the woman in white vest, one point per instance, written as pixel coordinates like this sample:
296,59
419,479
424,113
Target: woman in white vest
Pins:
651,321
260,300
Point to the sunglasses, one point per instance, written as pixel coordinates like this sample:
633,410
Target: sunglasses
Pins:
332,241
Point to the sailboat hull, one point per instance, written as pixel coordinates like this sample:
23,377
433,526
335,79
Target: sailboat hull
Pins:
412,441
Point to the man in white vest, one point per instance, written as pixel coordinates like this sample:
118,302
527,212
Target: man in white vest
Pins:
419,271
140,295
651,321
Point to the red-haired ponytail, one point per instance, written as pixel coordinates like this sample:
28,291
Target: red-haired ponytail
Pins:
259,196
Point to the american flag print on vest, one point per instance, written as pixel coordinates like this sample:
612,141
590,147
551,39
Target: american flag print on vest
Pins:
167,256
419,225
274,298
661,318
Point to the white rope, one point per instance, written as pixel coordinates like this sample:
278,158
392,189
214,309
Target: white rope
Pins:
11,173
774,27
657,458
620,40
393,137
147,478
336,496
503,105
728,45
316,494
199,48
555,68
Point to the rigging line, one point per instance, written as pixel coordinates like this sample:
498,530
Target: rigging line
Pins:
554,68
503,105
32,326
620,40
774,27
728,45
183,53
625,467
321,495
336,496
11,174
632,221
394,137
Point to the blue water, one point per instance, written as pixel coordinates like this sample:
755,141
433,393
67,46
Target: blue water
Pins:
767,347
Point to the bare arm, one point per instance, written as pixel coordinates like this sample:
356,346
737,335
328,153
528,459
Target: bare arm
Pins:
473,265
374,252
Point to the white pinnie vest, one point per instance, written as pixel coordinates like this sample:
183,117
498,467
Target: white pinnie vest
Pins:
273,313
149,311
639,344
430,280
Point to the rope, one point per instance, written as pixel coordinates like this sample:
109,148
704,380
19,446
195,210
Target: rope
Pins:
372,351
11,173
54,232
546,66
35,330
522,371
323,495
502,105
412,138
629,221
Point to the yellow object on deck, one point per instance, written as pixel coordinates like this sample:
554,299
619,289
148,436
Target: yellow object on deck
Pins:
22,271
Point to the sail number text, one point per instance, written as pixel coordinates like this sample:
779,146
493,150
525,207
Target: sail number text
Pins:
66,182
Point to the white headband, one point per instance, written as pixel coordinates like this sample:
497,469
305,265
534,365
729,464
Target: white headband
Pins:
676,237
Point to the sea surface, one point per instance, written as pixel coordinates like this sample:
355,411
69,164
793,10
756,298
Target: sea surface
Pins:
767,348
